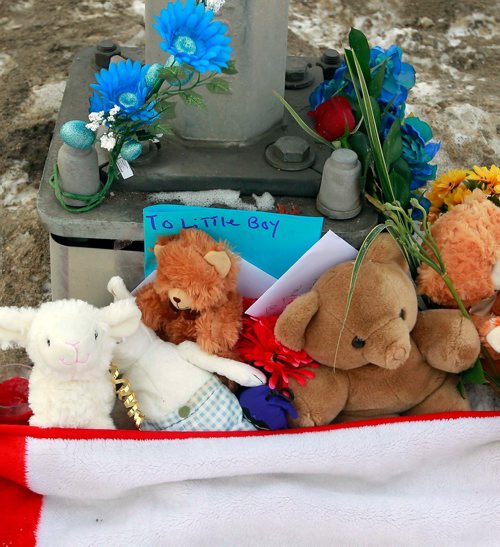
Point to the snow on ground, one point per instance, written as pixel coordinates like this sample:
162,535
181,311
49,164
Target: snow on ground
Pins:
14,186
229,198
45,100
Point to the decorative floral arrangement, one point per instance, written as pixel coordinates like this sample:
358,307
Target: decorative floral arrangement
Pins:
259,347
133,103
452,188
363,108
406,140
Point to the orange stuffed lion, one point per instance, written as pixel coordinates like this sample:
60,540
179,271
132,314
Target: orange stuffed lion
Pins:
468,238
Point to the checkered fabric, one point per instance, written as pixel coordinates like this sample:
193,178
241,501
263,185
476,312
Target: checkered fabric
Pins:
212,408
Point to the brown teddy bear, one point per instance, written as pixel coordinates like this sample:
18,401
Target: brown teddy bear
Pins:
194,295
391,358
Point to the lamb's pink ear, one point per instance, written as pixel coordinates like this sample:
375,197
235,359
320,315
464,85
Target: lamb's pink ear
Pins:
15,324
220,261
123,318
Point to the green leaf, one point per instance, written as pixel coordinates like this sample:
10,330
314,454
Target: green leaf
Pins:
165,129
219,86
461,389
376,113
365,103
173,74
359,44
231,68
192,98
370,238
302,123
393,145
400,188
495,200
402,168
474,375
167,110
377,81
360,144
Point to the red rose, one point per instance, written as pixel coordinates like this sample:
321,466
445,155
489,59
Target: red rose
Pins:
331,118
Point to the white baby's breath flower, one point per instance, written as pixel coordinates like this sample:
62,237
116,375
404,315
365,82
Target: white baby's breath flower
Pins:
108,141
215,5
110,119
96,117
93,126
114,111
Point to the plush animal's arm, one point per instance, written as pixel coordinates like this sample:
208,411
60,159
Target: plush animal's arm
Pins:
218,329
241,373
292,324
155,313
447,340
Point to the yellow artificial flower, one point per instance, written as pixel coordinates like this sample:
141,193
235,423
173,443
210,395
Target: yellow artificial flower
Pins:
491,176
448,182
457,197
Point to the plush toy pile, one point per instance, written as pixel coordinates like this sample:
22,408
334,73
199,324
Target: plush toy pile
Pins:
381,357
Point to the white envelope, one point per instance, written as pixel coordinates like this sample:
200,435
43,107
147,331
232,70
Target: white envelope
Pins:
328,252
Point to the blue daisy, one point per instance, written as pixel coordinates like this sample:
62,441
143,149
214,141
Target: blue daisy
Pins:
124,84
418,151
190,35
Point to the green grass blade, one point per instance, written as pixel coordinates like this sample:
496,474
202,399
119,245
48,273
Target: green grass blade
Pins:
363,97
370,238
302,123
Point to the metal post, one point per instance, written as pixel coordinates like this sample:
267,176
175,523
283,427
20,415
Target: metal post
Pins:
258,29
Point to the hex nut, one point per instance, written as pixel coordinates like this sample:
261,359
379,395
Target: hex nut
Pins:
291,149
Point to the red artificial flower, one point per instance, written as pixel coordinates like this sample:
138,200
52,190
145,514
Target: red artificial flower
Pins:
259,347
332,116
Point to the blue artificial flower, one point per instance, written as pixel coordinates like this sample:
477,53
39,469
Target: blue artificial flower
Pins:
418,151
327,89
424,202
123,84
399,77
394,113
190,35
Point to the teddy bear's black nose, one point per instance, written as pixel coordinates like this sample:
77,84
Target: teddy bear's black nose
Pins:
177,299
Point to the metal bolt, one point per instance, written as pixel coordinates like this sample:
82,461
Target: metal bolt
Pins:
329,62
297,74
295,69
331,57
291,149
104,51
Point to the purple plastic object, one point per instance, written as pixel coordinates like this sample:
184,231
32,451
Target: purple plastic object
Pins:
267,408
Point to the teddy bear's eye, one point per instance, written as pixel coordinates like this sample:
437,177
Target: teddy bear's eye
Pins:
358,343
48,342
402,314
95,335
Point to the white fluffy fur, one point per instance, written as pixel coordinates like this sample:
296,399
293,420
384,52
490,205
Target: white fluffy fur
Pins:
164,376
70,343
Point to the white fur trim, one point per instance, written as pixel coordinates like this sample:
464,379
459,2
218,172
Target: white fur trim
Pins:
406,483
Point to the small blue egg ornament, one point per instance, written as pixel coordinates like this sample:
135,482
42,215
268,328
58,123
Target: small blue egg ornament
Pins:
75,134
131,150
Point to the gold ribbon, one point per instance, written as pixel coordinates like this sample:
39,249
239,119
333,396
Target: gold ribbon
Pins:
126,395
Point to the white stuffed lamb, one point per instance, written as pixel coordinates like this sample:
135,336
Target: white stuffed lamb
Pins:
70,343
174,384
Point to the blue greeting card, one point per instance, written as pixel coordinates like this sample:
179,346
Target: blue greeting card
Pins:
270,241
